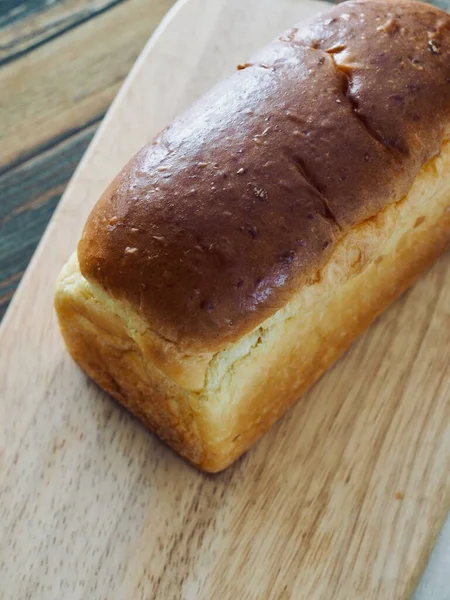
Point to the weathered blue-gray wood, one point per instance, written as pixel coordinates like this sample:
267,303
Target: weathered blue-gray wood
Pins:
28,196
445,5
50,24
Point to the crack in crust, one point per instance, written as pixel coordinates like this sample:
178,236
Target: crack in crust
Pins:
300,165
396,146
393,145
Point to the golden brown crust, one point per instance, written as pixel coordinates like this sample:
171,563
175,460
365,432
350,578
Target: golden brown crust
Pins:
235,258
252,383
216,225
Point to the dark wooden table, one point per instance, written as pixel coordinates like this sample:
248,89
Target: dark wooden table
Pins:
61,64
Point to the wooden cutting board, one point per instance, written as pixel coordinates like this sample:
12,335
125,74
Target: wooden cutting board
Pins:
341,500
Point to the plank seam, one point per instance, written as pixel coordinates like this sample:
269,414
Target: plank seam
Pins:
84,19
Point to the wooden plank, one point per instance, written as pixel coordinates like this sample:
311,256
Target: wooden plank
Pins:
25,24
342,499
29,194
68,83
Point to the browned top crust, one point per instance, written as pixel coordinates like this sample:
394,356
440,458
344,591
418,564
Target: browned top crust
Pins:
214,225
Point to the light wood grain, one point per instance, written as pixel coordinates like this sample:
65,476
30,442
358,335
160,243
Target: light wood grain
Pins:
341,500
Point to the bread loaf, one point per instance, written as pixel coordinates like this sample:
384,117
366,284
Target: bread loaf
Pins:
238,254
